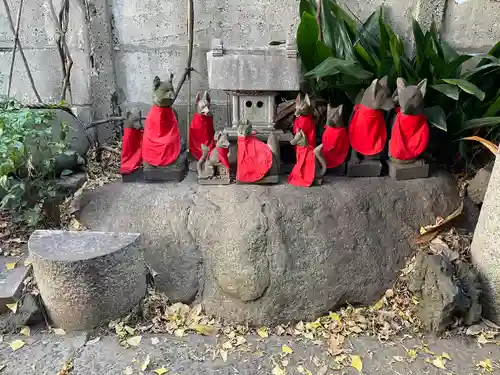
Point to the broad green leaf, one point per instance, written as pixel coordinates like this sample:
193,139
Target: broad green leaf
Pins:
494,108
343,42
454,67
434,35
484,69
450,91
481,122
385,38
307,6
365,55
420,43
466,86
329,24
307,36
494,52
396,55
351,21
369,33
333,66
449,53
436,117
321,53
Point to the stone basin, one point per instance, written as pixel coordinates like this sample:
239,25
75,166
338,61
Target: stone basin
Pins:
272,254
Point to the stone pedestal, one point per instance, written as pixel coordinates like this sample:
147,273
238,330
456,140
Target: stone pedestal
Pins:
174,172
11,281
486,244
365,168
86,278
410,171
136,176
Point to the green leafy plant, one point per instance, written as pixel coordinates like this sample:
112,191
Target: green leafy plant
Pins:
340,55
28,152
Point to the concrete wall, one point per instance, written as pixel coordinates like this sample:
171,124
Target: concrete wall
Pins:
128,42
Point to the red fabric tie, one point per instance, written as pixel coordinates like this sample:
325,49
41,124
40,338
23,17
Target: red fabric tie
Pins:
131,150
367,132
162,140
410,136
335,146
201,131
306,124
304,170
254,159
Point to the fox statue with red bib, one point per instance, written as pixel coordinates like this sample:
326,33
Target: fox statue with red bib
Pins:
409,134
163,151
367,130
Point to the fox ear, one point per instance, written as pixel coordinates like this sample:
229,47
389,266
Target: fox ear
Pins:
198,98
307,100
340,110
206,97
156,82
422,86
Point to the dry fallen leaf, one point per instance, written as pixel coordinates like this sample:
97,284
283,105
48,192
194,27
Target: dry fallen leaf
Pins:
335,343
155,340
437,362
202,329
278,371
145,364
16,344
286,349
227,345
2,366
134,341
11,265
445,355
240,340
179,332
25,331
322,370
59,331
161,371
93,341
356,362
66,368
128,371
28,262
223,354
486,365
262,332
12,307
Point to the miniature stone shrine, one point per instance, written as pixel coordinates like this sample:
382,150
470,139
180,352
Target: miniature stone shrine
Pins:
410,133
335,140
131,156
258,162
310,166
367,130
164,155
253,77
201,129
213,167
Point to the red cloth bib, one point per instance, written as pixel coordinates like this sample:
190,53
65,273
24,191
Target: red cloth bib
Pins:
223,156
306,124
305,169
131,150
410,136
162,140
367,132
254,159
335,146
201,131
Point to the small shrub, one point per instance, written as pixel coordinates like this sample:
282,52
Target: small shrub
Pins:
27,160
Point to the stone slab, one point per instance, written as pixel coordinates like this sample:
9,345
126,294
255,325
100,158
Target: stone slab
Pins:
401,172
11,281
253,70
485,245
169,173
136,176
341,170
476,189
365,168
267,254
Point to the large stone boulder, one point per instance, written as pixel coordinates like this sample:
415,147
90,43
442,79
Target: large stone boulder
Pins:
269,254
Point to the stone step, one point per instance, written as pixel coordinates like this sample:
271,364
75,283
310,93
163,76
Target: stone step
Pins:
11,280
86,278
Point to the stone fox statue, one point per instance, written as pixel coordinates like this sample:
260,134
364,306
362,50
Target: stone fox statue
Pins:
201,129
367,128
410,131
257,162
310,166
213,166
304,119
335,139
163,151
131,156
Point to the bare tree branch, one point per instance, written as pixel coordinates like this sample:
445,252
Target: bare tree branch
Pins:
16,38
17,41
189,68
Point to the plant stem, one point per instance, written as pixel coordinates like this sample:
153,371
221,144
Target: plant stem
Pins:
17,41
16,37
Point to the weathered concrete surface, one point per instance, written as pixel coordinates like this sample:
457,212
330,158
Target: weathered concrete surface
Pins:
192,355
472,25
486,242
11,281
273,254
86,277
